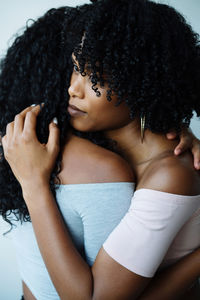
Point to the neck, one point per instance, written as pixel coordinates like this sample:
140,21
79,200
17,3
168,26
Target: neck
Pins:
139,154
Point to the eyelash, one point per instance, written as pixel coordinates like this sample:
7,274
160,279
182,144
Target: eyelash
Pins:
76,69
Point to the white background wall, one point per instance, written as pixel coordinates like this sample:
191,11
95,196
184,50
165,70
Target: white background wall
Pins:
13,16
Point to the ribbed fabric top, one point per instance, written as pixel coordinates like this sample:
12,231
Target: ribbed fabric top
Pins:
91,212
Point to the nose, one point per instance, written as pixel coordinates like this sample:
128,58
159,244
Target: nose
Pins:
76,88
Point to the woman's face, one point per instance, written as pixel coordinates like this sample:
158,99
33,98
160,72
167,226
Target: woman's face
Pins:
89,112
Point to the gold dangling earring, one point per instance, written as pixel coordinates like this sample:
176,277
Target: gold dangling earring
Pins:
142,122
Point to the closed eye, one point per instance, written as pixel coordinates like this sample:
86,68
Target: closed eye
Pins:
76,68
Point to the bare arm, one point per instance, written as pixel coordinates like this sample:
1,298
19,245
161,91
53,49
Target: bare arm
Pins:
72,277
107,279
175,280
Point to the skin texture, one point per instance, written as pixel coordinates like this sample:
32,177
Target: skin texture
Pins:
83,164
101,114
69,262
127,154
75,179
111,168
98,112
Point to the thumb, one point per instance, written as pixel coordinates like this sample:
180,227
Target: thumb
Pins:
54,135
184,144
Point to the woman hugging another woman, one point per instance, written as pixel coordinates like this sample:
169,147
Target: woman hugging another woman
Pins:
134,79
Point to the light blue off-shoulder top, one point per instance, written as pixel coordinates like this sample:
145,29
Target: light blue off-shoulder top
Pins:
91,212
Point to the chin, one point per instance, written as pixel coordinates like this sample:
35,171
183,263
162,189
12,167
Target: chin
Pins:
80,126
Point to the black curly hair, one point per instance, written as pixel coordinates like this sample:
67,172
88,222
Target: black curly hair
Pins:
145,51
149,57
37,68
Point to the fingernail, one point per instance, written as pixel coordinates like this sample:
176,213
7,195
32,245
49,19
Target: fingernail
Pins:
55,121
197,165
33,105
178,151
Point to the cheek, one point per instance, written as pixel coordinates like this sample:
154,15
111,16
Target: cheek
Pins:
106,116
101,114
101,120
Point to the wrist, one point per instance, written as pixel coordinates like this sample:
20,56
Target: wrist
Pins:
32,190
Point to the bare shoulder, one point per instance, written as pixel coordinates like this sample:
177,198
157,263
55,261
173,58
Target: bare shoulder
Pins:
172,174
85,162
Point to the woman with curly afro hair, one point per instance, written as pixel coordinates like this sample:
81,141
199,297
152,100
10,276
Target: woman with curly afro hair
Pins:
134,79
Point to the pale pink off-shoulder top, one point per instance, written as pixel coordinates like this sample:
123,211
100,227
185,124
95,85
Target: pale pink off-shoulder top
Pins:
159,229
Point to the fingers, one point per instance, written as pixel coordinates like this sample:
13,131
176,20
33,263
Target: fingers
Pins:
54,135
24,112
18,124
171,135
8,136
196,153
9,130
184,144
33,107
26,120
29,114
31,121
186,140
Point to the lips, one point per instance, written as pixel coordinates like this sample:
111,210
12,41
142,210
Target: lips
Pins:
75,111
75,107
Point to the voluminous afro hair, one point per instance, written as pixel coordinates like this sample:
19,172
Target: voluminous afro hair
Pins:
149,57
37,68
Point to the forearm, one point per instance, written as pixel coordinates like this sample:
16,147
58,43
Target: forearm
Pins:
72,277
175,280
70,274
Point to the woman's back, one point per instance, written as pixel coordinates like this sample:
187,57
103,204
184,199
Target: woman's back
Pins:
95,193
